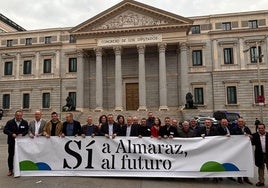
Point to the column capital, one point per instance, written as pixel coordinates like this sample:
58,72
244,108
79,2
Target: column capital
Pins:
141,48
162,47
98,51
117,50
80,53
183,46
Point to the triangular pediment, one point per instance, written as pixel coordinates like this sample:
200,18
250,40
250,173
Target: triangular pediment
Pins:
7,25
131,15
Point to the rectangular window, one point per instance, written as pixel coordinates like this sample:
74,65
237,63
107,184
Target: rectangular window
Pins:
253,24
6,101
197,57
8,68
195,29
198,96
231,95
29,41
254,55
26,100
256,92
27,67
228,56
72,95
72,64
9,43
46,100
47,66
72,39
226,26
47,40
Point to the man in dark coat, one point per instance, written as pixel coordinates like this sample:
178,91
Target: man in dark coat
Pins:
14,128
241,129
111,128
70,126
260,141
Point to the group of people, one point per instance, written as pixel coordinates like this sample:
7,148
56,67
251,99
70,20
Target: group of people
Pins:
110,127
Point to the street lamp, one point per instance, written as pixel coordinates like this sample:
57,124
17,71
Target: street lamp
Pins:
260,98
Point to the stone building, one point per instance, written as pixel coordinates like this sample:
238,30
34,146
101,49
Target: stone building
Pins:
136,57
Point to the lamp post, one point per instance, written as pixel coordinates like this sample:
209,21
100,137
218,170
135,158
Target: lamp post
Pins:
260,98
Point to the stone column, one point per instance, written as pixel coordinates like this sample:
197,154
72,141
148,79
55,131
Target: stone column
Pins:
162,77
18,73
99,81
37,67
80,82
184,68
216,61
142,80
118,79
56,71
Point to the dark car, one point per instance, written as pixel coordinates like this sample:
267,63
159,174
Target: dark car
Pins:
231,117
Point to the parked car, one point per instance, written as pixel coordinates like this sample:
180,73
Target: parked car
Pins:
231,117
201,120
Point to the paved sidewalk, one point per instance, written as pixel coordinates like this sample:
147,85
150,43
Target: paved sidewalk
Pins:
85,182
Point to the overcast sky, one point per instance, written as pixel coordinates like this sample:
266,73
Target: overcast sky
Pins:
42,14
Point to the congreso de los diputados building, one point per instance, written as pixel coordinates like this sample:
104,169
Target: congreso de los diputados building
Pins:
135,57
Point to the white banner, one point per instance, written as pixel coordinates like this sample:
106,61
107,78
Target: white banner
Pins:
217,156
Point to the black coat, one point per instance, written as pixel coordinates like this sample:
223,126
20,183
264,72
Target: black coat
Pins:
12,128
222,131
76,129
144,131
203,131
133,130
105,129
256,141
165,130
238,131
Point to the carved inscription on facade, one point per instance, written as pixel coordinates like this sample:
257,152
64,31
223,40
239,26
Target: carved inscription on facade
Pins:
130,40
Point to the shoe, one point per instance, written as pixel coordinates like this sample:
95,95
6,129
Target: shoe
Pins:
239,180
216,180
232,179
259,184
246,180
10,173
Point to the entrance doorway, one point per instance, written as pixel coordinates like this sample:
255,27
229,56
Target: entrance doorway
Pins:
132,96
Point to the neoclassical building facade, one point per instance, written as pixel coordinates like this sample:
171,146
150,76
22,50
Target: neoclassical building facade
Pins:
136,57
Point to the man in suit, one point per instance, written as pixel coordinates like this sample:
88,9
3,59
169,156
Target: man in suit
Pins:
168,131
260,141
111,128
36,126
14,128
242,129
70,126
129,129
207,130
223,128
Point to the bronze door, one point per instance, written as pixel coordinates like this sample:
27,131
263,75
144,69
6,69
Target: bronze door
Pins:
132,96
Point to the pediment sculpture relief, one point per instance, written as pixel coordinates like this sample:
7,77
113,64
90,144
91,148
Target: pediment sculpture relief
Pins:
130,19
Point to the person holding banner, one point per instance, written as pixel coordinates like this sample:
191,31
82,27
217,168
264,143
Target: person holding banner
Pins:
223,128
185,131
207,130
143,130
89,129
14,128
36,126
70,126
260,140
242,129
53,127
155,128
129,129
168,131
111,128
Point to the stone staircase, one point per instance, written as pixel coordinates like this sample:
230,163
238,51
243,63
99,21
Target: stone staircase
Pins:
179,113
